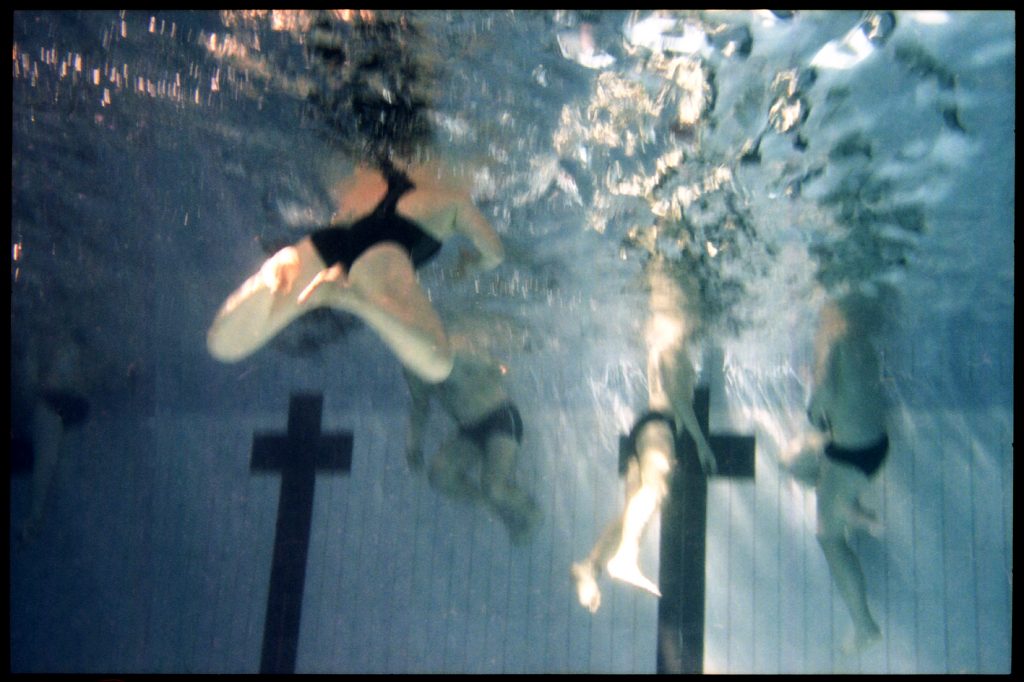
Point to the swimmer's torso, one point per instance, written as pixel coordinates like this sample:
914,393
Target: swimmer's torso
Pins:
855,401
344,243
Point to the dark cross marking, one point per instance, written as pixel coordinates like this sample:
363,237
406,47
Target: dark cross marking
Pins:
298,455
683,535
21,456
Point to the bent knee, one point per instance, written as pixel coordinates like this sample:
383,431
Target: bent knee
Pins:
444,363
654,473
437,368
220,347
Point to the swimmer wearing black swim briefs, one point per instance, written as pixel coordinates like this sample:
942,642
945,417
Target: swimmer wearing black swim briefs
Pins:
383,224
504,419
868,459
627,445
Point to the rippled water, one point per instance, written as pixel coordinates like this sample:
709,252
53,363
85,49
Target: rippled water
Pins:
785,173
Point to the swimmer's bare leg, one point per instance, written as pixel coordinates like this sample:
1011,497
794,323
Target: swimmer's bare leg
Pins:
516,509
383,291
849,579
265,304
837,493
585,573
450,470
655,446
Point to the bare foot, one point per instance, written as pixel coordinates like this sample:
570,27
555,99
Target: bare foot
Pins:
586,586
622,568
520,522
861,639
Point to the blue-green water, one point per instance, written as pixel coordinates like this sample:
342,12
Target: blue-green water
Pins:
154,155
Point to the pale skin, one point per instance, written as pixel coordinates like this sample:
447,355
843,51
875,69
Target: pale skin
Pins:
472,390
848,402
380,287
671,381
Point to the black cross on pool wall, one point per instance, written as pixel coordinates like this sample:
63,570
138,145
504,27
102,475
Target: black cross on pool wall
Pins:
20,457
298,455
683,534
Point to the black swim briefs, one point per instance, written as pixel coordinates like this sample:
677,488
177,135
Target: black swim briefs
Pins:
869,459
345,244
627,444
504,419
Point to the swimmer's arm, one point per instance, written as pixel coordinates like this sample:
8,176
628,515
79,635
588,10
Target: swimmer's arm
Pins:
470,222
680,389
821,396
816,413
686,418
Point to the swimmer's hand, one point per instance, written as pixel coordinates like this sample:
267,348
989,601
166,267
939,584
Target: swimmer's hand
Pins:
279,273
707,459
334,275
468,263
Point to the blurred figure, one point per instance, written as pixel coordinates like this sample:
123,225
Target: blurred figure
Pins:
59,406
848,407
671,381
477,462
371,91
389,221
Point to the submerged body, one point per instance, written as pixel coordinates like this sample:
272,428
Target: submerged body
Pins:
477,462
364,263
848,405
60,406
671,382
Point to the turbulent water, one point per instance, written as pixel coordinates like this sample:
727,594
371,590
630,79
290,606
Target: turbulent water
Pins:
777,158
759,151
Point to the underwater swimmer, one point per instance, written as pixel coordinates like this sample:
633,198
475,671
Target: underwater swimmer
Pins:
671,382
848,405
488,438
389,221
